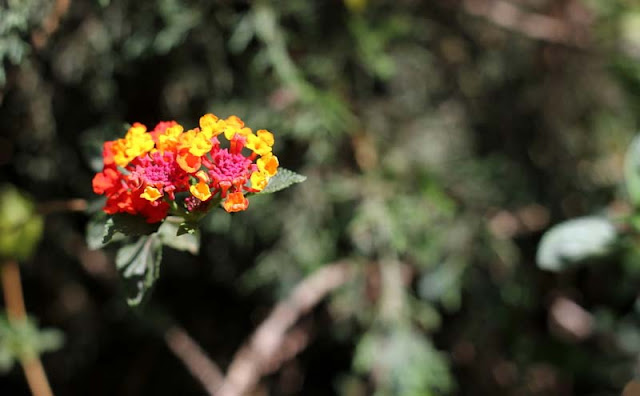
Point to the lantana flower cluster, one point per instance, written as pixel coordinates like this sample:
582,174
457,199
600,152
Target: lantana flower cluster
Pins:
168,169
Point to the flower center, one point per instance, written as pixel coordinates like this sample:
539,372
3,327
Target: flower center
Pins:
229,167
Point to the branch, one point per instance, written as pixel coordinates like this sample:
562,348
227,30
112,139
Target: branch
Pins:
71,205
194,358
533,25
16,312
50,24
255,358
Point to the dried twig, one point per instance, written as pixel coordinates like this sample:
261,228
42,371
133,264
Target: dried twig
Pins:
16,312
533,25
194,358
70,205
256,357
50,24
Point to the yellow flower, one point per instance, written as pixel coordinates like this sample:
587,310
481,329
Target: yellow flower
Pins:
235,125
268,164
211,126
200,191
266,137
259,180
257,145
200,145
151,194
170,138
136,142
202,176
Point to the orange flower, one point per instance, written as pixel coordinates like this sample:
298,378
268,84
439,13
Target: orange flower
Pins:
201,191
235,202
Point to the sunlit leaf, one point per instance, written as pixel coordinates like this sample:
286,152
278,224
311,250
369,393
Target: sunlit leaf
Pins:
283,179
180,235
574,241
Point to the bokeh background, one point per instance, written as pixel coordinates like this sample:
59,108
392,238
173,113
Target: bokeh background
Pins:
440,140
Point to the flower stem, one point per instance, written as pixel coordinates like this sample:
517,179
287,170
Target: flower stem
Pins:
16,312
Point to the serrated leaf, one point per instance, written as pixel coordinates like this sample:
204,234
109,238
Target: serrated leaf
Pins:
575,240
139,264
127,225
96,230
283,179
632,171
180,235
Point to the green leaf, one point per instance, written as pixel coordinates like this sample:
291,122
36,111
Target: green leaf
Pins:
187,228
23,340
574,241
411,364
283,179
632,171
139,265
97,230
20,224
127,225
180,235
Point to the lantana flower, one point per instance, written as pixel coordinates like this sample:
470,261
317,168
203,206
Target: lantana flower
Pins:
170,170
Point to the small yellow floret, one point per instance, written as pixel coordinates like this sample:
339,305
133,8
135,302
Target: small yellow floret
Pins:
235,121
200,145
186,139
150,194
211,126
268,164
266,137
259,180
257,145
235,125
136,142
202,176
200,191
208,121
170,138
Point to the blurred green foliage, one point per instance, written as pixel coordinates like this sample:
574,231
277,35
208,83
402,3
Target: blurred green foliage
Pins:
23,340
438,147
20,225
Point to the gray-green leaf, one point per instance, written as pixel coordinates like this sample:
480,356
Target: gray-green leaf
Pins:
128,225
139,264
180,235
283,179
574,241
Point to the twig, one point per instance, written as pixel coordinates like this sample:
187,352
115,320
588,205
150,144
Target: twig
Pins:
294,342
194,358
50,24
16,312
252,360
70,205
530,24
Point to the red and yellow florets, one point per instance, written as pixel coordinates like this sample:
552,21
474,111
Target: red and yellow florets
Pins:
145,170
